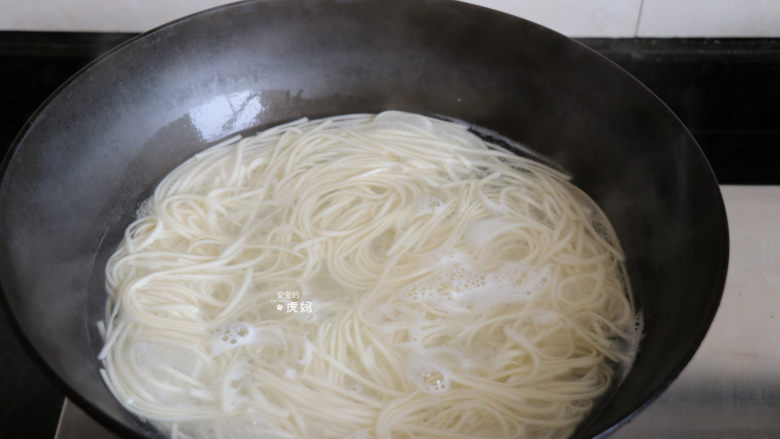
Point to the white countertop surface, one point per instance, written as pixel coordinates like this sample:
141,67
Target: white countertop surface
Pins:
731,387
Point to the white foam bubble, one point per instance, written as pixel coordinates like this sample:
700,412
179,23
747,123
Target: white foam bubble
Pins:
444,257
456,285
232,335
290,373
426,375
427,204
415,333
639,327
479,357
451,358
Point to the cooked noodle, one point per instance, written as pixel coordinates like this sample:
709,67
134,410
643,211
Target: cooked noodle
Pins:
362,276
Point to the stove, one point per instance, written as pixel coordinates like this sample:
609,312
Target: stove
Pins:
725,90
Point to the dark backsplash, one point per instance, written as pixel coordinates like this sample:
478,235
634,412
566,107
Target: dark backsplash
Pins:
726,91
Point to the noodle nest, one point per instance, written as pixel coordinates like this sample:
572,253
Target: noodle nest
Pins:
366,276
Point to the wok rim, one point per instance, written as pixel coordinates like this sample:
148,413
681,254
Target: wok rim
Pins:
626,414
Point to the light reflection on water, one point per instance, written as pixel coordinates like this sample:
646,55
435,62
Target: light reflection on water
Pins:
226,114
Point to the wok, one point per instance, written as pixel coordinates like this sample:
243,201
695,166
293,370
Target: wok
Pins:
97,147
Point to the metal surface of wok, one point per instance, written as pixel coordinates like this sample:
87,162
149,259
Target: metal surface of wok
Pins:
97,147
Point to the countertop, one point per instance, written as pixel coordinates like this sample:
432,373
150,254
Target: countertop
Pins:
725,90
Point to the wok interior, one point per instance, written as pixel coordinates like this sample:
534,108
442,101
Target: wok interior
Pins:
99,146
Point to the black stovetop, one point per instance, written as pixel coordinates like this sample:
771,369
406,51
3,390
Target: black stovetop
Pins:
727,91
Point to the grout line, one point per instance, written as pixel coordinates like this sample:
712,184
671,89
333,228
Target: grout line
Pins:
639,17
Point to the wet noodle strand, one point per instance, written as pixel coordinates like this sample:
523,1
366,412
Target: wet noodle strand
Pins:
366,276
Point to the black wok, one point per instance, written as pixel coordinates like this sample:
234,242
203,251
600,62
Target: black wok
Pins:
97,147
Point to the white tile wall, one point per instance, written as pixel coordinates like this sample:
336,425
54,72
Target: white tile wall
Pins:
703,18
597,18
607,18
96,15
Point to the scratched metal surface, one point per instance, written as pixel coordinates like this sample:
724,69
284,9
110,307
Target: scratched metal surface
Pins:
731,388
